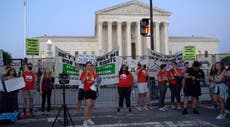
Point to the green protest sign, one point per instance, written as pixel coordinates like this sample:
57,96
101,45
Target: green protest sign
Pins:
32,47
107,69
68,69
189,53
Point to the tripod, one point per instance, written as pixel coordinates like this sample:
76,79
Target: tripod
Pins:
66,112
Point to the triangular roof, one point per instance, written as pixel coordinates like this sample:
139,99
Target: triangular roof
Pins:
133,7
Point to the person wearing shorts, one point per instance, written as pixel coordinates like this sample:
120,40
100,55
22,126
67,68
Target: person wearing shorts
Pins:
81,93
28,90
192,88
142,85
88,77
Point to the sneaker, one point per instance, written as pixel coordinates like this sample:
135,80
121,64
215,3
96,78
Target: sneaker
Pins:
25,116
195,111
184,112
173,107
220,116
31,114
90,122
145,108
162,109
227,111
85,124
179,108
139,108
165,108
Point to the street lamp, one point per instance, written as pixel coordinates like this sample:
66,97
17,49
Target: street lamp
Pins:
49,48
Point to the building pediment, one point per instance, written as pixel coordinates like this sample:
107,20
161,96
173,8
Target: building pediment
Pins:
133,7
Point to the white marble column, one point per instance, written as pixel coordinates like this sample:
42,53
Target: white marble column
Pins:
157,37
128,38
138,40
99,35
110,39
119,37
166,40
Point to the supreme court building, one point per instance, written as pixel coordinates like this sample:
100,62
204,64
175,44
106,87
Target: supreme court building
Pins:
119,26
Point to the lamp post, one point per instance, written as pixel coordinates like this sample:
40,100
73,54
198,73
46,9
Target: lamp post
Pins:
151,25
49,48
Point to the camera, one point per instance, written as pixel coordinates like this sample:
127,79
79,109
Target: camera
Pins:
64,78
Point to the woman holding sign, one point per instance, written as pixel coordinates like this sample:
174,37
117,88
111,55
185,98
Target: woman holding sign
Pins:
88,78
10,98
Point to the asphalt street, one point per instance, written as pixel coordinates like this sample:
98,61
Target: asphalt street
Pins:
108,117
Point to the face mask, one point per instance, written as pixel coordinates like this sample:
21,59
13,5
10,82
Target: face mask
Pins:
30,68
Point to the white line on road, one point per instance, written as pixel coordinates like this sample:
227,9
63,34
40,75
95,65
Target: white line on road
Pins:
159,124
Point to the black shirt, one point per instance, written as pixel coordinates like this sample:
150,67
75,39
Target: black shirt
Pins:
197,74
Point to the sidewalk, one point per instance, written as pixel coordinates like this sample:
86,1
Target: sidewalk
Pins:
108,117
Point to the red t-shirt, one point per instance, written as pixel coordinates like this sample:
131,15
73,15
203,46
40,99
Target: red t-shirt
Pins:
125,80
29,78
90,79
142,75
172,75
160,75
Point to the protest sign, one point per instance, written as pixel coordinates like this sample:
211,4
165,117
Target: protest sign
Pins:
108,67
32,47
66,63
14,84
155,59
189,53
83,58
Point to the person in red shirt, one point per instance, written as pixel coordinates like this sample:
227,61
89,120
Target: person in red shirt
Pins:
162,85
125,87
142,85
88,77
28,90
175,85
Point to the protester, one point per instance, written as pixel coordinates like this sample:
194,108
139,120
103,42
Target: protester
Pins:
212,85
221,90
192,88
10,99
162,85
28,91
142,85
125,87
186,65
175,84
81,93
227,82
88,77
46,83
2,93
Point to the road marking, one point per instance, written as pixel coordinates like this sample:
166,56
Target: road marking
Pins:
159,124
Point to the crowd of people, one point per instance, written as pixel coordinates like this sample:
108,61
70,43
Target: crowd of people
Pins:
9,100
176,79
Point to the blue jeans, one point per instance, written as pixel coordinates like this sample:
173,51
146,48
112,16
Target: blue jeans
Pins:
162,90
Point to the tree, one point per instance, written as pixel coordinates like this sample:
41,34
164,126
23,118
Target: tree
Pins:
226,60
7,58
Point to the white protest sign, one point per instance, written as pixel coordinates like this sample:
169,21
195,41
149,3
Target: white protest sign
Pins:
108,67
66,63
83,58
14,84
155,59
